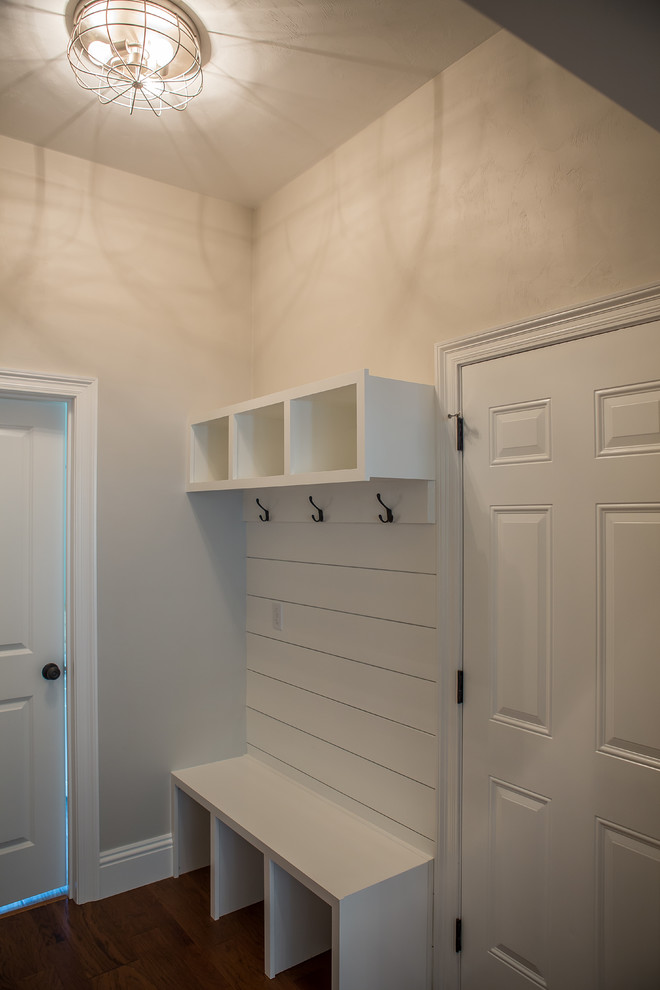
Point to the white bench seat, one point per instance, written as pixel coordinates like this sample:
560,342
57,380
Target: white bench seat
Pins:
274,838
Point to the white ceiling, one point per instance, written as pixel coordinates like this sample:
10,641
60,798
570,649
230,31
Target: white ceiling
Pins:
286,82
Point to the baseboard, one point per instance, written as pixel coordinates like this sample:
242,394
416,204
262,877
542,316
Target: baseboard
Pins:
135,865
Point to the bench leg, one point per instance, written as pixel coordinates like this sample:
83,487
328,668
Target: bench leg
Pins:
190,829
237,871
381,935
297,923
176,829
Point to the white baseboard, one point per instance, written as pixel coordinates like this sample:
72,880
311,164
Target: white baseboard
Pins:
135,865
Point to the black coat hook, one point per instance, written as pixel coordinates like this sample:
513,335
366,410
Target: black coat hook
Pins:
390,517
266,515
318,518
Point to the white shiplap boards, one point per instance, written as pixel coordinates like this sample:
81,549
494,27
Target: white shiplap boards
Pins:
343,695
400,596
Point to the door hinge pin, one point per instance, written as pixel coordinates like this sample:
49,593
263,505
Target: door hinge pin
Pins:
459,687
458,943
459,429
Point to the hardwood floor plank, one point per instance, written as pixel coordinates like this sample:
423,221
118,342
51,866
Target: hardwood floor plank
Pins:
166,938
242,961
22,950
174,970
159,937
82,947
187,901
45,980
122,978
129,914
315,974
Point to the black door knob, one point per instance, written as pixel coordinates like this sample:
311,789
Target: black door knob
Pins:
51,672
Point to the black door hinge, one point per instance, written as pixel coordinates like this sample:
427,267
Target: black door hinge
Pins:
458,943
459,429
459,687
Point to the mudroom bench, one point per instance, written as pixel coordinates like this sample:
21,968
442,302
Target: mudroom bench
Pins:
328,878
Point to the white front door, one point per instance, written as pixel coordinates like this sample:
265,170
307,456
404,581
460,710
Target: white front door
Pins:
561,719
32,603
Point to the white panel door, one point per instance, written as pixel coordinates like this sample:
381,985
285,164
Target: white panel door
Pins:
32,726
561,721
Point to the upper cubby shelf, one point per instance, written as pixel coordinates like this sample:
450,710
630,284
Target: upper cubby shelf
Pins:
350,428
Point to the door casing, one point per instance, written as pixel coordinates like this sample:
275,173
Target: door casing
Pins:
80,394
602,316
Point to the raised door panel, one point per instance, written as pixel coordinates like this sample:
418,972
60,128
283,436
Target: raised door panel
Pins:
17,813
15,529
628,420
628,909
520,433
629,632
17,784
519,855
521,605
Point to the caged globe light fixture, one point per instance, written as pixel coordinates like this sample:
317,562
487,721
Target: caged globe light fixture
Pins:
137,53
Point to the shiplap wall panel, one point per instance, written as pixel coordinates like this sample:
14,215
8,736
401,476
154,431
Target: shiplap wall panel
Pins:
386,547
344,694
339,797
390,694
396,646
396,797
399,595
398,747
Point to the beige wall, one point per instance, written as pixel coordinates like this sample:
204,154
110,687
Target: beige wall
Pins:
501,190
146,287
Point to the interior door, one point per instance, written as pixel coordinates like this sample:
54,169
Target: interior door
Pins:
32,588
561,719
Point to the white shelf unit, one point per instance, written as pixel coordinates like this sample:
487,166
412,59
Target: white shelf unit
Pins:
350,428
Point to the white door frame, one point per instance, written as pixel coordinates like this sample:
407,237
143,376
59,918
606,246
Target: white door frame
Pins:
80,394
612,313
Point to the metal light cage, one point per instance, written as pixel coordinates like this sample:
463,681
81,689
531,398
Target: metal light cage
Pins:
137,53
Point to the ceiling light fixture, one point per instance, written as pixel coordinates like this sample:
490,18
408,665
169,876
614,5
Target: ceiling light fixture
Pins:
137,53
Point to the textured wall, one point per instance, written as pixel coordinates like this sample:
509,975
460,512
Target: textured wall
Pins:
147,288
503,189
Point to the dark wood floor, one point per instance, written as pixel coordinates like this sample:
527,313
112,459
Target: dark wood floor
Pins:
154,938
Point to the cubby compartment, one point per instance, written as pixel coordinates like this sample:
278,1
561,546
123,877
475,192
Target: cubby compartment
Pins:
350,428
324,431
209,450
260,442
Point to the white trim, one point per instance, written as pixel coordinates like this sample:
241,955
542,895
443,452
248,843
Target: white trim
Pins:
135,865
613,313
81,394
